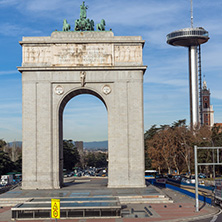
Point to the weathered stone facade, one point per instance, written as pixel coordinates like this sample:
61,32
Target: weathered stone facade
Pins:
57,68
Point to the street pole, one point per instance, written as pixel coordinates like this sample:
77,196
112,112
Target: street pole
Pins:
196,179
189,162
213,167
213,161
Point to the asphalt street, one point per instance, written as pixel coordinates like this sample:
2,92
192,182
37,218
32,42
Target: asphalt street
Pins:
215,218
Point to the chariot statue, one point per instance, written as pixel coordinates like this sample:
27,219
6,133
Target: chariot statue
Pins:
83,24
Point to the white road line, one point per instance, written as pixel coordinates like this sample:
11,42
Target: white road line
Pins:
216,216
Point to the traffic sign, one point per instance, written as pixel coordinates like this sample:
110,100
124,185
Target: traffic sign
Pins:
55,208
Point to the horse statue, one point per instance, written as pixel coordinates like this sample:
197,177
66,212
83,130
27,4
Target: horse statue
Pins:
101,25
66,27
77,25
89,25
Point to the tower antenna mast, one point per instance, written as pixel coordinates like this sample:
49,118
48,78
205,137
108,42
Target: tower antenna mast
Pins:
191,12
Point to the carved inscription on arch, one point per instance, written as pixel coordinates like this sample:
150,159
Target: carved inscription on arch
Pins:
37,54
69,54
128,54
82,54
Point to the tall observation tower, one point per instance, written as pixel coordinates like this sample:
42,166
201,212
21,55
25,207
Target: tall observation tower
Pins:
192,38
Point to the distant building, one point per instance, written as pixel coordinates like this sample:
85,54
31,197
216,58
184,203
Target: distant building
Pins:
79,146
207,108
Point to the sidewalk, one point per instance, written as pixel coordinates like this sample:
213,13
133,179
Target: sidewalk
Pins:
182,208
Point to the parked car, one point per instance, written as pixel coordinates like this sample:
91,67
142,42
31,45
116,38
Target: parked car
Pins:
185,180
192,179
202,175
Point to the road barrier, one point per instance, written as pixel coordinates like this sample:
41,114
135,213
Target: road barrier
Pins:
186,192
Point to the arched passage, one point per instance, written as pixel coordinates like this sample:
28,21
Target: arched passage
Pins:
62,106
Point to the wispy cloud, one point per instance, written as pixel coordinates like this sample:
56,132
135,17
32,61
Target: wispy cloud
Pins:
11,128
8,72
137,13
9,29
10,107
50,10
6,3
217,94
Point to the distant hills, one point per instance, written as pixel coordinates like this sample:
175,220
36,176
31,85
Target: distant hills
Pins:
96,145
87,145
16,144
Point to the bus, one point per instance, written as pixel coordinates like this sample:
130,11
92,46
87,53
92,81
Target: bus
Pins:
150,173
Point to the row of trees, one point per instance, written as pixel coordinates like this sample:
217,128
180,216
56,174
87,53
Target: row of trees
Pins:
171,146
166,147
6,163
72,158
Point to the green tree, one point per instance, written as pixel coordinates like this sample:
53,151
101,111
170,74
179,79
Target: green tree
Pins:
6,165
90,159
2,143
70,155
18,164
151,132
101,160
96,159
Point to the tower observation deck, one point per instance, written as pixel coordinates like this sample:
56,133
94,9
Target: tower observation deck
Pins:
192,38
188,37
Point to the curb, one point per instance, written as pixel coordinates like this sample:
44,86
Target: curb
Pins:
206,216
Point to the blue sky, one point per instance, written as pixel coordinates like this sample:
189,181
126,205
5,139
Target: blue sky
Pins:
166,89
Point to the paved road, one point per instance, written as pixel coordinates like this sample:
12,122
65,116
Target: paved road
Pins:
179,210
215,218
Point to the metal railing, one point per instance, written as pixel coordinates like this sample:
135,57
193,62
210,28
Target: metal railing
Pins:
188,33
217,163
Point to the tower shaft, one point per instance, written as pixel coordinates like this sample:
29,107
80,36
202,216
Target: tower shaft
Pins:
200,85
194,92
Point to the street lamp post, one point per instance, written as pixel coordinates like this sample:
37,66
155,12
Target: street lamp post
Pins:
196,179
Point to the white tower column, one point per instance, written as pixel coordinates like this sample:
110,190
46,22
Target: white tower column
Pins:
194,93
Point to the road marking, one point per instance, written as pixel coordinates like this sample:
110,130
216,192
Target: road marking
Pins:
216,216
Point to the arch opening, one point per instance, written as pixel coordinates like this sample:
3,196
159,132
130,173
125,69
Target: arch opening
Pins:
79,97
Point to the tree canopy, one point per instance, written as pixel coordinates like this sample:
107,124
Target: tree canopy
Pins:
97,159
171,146
70,155
6,164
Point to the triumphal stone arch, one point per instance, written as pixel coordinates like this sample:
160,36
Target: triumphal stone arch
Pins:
66,64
